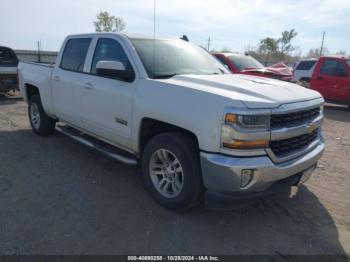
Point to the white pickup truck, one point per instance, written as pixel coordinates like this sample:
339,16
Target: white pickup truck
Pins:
196,129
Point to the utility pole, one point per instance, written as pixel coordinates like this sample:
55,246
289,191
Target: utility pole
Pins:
321,51
39,54
209,41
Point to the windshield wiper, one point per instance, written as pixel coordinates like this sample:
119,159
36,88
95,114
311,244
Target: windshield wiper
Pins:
164,76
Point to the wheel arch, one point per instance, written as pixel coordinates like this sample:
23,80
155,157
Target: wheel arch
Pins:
31,90
150,127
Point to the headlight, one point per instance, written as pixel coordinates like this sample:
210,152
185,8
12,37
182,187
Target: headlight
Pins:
248,121
255,126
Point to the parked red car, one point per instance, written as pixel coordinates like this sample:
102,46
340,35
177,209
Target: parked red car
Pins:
331,78
244,64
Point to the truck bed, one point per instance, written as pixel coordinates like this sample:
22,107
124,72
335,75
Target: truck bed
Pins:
38,75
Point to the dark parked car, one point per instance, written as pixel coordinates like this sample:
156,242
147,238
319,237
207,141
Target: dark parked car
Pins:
8,69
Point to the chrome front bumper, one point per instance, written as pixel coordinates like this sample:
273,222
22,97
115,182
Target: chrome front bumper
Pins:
222,173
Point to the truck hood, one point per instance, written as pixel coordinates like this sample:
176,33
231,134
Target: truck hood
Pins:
254,92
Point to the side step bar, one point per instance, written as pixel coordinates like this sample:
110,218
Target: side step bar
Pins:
100,146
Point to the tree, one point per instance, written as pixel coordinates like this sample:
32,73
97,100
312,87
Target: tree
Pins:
226,49
107,23
285,42
279,47
268,45
341,52
315,52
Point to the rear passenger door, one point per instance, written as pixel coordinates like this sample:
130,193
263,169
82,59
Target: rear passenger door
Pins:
67,79
106,103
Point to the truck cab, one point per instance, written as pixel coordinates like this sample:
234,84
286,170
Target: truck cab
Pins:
331,78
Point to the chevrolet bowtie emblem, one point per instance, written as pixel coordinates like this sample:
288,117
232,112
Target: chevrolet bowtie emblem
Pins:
311,128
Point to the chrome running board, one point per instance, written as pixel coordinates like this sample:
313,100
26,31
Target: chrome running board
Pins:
98,145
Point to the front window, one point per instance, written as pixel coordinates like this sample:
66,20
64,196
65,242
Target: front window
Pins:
245,62
109,50
348,62
333,67
162,58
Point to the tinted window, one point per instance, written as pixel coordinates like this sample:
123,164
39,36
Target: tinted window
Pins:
109,50
7,56
333,67
75,53
305,65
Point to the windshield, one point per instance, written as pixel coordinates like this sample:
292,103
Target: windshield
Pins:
348,62
243,62
175,57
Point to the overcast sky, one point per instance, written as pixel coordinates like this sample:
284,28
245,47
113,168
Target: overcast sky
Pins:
230,24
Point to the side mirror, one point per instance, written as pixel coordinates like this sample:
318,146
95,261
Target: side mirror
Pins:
114,69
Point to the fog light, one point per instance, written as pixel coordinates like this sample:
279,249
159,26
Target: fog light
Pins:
246,177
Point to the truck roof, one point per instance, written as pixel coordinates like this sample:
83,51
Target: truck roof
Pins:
336,56
128,35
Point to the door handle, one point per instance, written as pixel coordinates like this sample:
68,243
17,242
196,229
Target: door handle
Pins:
319,77
88,86
56,78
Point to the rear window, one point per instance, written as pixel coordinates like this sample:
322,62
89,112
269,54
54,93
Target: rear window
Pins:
7,56
306,65
74,54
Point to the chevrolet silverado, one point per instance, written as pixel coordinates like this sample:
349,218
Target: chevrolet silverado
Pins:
198,131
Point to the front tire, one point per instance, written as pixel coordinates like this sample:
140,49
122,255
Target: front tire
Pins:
171,171
40,122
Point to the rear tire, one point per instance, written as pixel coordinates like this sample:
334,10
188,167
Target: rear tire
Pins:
40,122
171,171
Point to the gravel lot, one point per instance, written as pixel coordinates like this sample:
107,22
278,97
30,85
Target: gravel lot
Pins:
60,197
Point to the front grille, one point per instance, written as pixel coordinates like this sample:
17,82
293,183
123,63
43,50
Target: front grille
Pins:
292,145
294,119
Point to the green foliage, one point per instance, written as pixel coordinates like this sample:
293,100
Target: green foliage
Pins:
107,23
268,45
279,47
285,42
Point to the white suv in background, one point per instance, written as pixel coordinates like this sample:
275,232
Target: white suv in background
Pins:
303,70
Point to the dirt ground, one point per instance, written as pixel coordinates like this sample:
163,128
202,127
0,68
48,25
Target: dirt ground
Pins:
60,197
